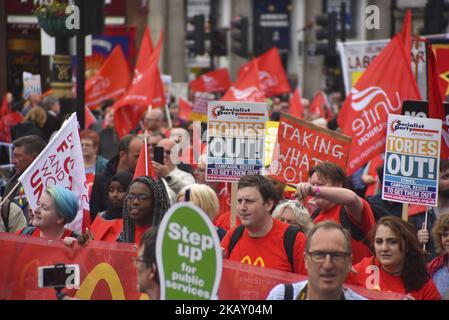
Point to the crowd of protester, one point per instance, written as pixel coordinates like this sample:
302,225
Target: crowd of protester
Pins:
324,229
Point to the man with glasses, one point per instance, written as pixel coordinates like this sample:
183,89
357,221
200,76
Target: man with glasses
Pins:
145,263
328,259
175,178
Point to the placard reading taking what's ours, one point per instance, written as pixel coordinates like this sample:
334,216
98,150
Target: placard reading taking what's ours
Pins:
412,154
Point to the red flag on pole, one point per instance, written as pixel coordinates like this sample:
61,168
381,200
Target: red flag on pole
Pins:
90,118
320,106
217,80
4,109
436,107
272,76
145,52
386,82
296,108
247,87
184,109
110,82
146,89
144,165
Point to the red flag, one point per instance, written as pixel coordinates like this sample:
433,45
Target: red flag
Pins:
4,109
247,87
89,117
436,108
320,106
217,80
145,52
110,82
296,108
145,90
272,77
144,165
441,51
184,109
385,83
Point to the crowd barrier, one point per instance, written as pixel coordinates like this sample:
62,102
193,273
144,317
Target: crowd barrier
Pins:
107,272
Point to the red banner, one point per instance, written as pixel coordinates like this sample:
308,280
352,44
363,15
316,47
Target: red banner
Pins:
107,272
303,145
380,91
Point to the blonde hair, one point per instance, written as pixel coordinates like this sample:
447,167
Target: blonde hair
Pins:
202,196
36,115
440,227
301,214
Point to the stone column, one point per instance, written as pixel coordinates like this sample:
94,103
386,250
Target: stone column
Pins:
174,62
313,65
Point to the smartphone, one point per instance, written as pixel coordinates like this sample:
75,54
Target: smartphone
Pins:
59,276
159,154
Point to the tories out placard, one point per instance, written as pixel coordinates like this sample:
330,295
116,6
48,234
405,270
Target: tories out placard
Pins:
302,145
412,155
235,140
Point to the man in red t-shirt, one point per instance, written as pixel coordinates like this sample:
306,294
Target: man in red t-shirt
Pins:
328,188
262,241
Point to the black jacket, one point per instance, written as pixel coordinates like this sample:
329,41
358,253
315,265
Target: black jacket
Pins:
99,198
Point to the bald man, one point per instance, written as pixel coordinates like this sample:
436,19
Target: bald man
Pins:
153,120
175,178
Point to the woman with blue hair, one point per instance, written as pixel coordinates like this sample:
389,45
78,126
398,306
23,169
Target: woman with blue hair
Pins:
56,207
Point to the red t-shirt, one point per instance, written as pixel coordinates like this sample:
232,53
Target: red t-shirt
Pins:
359,249
106,230
37,233
138,232
267,251
371,276
223,220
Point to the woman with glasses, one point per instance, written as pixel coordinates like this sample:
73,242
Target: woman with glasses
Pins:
145,204
293,213
109,223
439,267
399,264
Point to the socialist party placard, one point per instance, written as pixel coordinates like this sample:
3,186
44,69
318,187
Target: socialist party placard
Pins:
235,140
412,154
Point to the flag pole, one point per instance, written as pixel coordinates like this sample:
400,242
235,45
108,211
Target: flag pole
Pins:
146,152
425,226
167,113
10,193
416,59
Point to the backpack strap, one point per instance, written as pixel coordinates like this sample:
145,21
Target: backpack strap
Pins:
288,291
6,206
355,231
28,231
236,235
315,214
289,244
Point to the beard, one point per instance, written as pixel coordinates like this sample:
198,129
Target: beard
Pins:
443,193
